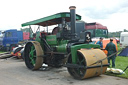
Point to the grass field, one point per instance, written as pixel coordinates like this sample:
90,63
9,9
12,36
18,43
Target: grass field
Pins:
121,63
1,52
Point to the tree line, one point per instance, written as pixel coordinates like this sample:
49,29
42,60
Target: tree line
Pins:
116,34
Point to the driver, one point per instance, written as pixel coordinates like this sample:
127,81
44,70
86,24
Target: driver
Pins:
55,30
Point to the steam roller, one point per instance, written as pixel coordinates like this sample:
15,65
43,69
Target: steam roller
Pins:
85,66
67,45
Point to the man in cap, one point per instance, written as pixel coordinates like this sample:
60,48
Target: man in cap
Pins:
111,48
100,42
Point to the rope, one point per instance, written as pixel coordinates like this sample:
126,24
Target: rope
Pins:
99,61
101,68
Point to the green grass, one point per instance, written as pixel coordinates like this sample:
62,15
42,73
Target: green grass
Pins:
118,46
1,52
121,63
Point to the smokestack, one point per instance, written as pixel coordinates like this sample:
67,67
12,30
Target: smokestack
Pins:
73,20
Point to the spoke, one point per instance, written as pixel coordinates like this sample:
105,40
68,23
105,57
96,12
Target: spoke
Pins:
82,61
78,61
78,70
32,56
32,51
32,61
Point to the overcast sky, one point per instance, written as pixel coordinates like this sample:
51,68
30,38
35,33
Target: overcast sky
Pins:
111,13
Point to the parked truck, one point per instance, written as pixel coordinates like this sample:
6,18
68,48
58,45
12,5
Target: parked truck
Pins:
10,38
97,29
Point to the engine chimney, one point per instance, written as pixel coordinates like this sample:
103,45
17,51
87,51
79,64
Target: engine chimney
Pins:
73,20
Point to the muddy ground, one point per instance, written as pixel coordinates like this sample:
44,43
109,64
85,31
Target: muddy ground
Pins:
14,72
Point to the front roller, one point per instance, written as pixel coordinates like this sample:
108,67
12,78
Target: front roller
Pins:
84,67
33,55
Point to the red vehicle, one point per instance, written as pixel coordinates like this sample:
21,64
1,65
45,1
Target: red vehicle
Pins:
26,35
15,52
117,39
97,29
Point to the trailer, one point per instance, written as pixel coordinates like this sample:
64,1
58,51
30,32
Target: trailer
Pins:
124,39
124,44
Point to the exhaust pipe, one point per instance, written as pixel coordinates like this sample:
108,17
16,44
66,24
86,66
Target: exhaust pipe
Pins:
73,21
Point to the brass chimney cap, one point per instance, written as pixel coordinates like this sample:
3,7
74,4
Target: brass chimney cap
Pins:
72,7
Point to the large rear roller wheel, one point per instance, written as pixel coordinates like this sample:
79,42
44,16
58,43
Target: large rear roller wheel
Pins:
84,67
33,55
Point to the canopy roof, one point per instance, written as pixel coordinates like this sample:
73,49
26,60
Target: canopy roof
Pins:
52,20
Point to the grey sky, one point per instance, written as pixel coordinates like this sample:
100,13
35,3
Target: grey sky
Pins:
111,13
104,12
